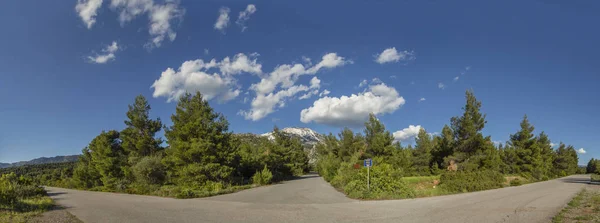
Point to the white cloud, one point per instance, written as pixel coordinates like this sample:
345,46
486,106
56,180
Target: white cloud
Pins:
422,99
407,134
160,17
581,151
245,15
285,76
87,10
223,19
206,52
363,83
107,55
315,83
456,78
324,92
497,142
376,81
391,55
240,63
194,76
393,77
553,144
353,110
441,86
467,67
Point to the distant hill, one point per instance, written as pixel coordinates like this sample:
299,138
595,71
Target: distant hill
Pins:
42,160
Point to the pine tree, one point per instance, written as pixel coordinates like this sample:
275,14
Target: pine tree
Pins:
379,141
108,158
444,147
422,153
138,138
472,150
565,162
529,159
350,144
85,174
547,153
200,147
593,166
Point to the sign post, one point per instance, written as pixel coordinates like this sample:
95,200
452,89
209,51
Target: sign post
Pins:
368,164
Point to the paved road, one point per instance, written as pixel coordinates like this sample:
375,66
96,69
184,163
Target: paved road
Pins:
311,199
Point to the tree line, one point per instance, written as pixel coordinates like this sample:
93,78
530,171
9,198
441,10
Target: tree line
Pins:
460,153
202,156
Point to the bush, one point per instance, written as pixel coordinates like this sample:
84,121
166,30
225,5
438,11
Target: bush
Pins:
385,183
516,182
149,170
463,181
327,167
263,177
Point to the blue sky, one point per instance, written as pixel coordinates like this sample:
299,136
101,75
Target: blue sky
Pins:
61,83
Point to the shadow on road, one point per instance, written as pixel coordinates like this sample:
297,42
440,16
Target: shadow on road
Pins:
307,176
53,194
580,180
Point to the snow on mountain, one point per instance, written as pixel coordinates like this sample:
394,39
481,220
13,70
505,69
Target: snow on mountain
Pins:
308,137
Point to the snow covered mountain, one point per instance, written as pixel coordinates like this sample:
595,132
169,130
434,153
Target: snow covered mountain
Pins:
308,137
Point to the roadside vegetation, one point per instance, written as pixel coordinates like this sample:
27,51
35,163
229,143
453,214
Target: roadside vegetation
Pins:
202,157
460,159
585,207
21,198
593,168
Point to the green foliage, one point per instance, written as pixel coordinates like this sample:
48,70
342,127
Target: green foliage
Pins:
463,181
379,141
107,158
200,147
13,189
422,154
593,166
444,147
385,182
263,177
565,162
527,151
150,170
138,137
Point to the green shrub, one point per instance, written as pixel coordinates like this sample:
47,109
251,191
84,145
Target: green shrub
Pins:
263,177
149,170
385,183
516,182
327,167
463,181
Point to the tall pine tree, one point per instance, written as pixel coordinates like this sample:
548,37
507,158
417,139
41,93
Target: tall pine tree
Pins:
529,159
422,153
199,140
138,138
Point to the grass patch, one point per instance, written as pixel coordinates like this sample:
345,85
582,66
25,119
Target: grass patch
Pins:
25,209
425,186
584,207
595,178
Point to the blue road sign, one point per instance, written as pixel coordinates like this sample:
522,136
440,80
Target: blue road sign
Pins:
368,162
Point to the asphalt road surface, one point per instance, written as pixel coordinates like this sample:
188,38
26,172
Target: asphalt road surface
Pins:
311,199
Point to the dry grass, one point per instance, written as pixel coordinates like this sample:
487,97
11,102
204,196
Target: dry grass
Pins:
585,207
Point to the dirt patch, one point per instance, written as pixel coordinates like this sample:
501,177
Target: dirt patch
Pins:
56,215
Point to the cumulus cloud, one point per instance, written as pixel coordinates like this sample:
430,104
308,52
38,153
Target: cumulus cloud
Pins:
108,54
441,86
407,134
324,92
353,110
391,55
87,10
581,151
223,19
285,76
194,75
160,16
553,144
245,15
422,99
